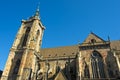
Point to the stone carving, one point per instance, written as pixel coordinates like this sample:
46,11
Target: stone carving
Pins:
40,75
38,70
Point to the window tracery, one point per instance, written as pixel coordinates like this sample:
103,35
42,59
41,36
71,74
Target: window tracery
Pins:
97,65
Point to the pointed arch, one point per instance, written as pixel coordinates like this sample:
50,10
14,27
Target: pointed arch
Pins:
26,36
37,34
97,65
16,68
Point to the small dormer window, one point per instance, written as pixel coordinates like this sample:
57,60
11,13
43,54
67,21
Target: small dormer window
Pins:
93,41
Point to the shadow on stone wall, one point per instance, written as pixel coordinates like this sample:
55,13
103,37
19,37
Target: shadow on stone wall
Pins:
112,67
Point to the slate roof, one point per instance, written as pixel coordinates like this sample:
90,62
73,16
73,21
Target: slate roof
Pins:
59,51
66,51
115,44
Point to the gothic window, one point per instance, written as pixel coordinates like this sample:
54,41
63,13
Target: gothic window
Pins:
37,36
97,65
94,68
26,36
72,73
16,68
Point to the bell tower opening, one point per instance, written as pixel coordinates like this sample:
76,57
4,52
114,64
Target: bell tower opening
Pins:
26,36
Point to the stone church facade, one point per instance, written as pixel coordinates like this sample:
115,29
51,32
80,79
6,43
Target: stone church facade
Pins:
94,59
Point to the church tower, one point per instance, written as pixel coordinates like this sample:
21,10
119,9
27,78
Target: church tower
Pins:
22,58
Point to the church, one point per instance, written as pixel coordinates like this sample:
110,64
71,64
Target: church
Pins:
93,59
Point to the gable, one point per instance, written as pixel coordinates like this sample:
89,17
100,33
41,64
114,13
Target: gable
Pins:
93,38
60,76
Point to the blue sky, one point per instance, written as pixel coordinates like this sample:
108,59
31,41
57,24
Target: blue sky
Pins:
66,21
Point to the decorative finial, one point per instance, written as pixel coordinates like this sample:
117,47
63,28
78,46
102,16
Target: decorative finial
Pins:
108,38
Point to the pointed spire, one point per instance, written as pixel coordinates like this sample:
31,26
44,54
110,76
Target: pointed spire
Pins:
37,13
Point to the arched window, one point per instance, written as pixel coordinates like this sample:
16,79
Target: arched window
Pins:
26,36
97,65
37,34
16,68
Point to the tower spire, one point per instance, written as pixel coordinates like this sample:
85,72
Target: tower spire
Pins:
37,13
